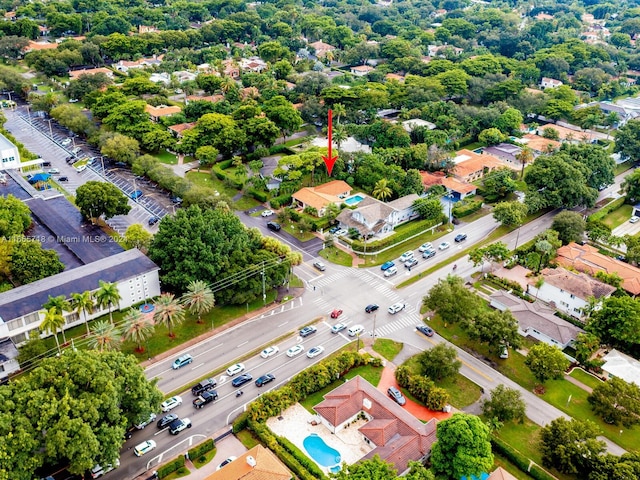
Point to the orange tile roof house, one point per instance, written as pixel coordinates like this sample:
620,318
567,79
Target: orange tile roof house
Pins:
471,166
162,111
322,48
539,144
321,196
361,70
397,435
180,128
256,464
588,259
75,74
452,184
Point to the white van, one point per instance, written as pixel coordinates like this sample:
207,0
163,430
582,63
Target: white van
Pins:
390,272
408,255
355,330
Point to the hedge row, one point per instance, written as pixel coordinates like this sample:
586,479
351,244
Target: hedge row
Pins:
172,466
600,214
309,465
202,448
519,460
241,422
280,201
462,209
417,227
227,178
422,388
258,195
224,164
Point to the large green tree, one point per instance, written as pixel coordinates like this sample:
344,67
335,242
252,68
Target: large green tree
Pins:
463,447
628,140
282,112
15,216
439,362
546,362
452,301
570,226
96,199
31,262
505,405
495,328
510,214
570,445
617,402
72,410
617,321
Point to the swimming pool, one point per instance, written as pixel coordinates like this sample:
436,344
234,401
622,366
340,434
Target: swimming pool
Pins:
320,451
354,200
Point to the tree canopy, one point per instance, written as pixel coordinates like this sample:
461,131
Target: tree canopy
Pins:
546,362
97,199
15,216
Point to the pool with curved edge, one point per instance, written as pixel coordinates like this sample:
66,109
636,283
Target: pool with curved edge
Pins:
322,453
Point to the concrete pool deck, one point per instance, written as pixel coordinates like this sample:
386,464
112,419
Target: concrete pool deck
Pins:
295,424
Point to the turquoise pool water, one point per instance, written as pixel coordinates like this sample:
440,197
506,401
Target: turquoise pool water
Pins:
320,451
354,200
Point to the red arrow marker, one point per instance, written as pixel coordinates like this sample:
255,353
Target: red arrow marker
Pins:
329,159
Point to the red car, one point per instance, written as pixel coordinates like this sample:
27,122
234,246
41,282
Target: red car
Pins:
336,313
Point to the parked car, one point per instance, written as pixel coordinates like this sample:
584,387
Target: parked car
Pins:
412,262
424,247
179,425
333,230
241,380
98,471
274,226
269,351
267,213
306,331
144,447
65,142
181,361
153,221
204,386
264,379
336,313
461,237
341,233
152,417
504,352
53,171
320,266
226,462
396,394
390,272
444,245
166,420
46,164
634,219
81,168
395,308
315,351
176,200
234,369
387,266
136,195
296,350
171,403
63,179
371,308
428,254
338,327
426,330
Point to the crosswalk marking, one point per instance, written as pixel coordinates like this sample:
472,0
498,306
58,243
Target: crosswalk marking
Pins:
410,320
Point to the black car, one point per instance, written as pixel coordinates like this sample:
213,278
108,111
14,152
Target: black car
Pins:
242,379
263,380
333,230
274,226
204,386
371,308
63,179
167,419
426,330
46,164
306,331
461,237
153,220
176,200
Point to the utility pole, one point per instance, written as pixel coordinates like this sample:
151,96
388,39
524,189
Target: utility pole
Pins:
264,291
374,327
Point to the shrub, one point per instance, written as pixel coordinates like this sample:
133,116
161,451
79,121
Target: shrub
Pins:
241,422
218,174
307,463
202,448
280,201
519,460
171,467
600,214
417,227
464,208
224,164
260,196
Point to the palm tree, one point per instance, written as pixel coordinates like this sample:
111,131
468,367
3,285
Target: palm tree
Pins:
60,303
136,328
199,299
168,311
53,321
104,336
339,135
227,84
107,296
525,156
381,190
338,110
83,303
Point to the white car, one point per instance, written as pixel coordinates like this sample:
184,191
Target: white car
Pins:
634,219
152,418
65,142
171,403
81,168
269,351
98,471
444,245
179,425
144,447
424,247
267,213
315,351
390,272
395,308
233,369
52,171
341,233
408,255
293,351
226,462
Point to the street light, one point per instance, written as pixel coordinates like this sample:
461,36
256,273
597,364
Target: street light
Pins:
449,195
50,129
29,116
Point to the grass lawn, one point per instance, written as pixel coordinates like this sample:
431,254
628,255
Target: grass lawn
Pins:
623,167
181,472
618,216
476,215
245,203
337,256
204,459
248,439
166,157
500,461
369,373
204,179
292,228
585,378
387,348
297,141
296,282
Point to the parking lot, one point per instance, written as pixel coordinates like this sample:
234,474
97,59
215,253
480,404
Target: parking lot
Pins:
56,146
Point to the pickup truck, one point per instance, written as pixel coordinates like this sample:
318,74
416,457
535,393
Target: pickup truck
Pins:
204,386
204,398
